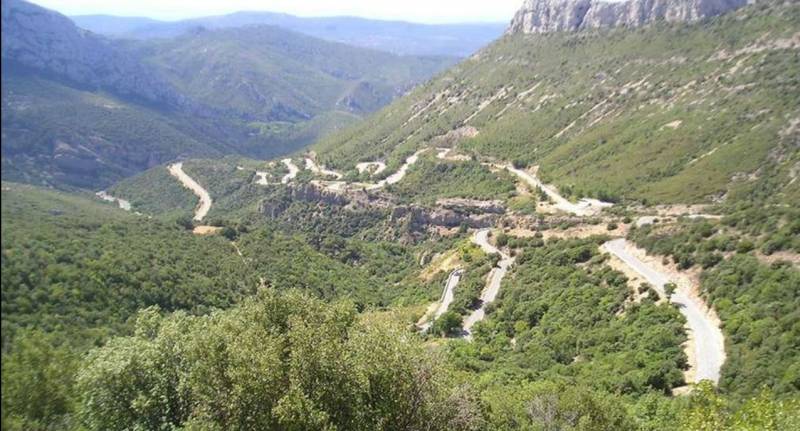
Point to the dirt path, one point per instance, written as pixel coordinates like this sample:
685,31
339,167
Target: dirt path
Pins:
176,170
492,288
444,301
293,171
706,346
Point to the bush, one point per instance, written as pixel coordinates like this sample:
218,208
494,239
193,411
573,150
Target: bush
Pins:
448,324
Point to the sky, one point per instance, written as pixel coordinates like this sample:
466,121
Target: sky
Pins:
425,11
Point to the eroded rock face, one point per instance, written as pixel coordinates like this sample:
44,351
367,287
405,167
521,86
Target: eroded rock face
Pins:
420,217
49,42
545,16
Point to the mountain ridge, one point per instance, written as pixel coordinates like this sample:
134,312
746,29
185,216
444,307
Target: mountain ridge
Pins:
398,37
545,16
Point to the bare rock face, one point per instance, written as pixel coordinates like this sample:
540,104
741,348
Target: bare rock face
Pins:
545,16
48,42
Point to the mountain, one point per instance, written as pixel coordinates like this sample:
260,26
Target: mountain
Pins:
542,16
82,110
672,112
403,38
49,42
265,73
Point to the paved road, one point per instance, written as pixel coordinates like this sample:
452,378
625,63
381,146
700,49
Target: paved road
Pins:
492,288
584,207
317,169
204,205
397,176
366,166
709,343
447,297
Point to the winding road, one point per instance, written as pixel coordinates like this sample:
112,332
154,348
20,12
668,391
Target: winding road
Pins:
446,299
584,207
176,170
321,170
707,344
377,167
397,176
492,288
293,171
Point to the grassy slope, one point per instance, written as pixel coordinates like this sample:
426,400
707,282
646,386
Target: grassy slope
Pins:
593,108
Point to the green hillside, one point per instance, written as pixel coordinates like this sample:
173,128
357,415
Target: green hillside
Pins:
268,74
82,111
667,113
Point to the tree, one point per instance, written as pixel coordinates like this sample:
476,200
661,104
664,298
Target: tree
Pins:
448,324
276,362
37,382
669,289
502,239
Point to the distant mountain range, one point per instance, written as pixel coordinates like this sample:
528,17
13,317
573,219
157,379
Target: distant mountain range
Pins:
84,110
398,37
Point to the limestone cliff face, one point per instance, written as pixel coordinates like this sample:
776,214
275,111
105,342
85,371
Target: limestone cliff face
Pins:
48,42
545,16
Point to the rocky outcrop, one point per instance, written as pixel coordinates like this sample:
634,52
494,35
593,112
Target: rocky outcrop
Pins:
545,16
273,208
419,217
48,42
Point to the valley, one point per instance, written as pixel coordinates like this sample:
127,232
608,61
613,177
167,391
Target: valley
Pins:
590,223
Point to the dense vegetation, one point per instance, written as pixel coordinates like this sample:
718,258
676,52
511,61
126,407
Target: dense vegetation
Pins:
757,301
667,113
573,322
83,111
429,180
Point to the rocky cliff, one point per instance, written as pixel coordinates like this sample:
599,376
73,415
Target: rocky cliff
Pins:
545,16
48,42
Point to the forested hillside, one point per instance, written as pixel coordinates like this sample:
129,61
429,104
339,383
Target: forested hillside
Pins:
587,229
665,113
80,110
403,38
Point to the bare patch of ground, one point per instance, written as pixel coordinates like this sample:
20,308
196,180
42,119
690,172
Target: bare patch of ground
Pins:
206,230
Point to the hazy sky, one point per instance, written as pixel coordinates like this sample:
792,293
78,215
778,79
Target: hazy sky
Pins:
429,11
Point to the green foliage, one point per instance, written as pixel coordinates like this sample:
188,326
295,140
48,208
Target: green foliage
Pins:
429,180
759,305
466,296
275,362
709,411
38,386
571,322
555,406
658,114
448,324
83,267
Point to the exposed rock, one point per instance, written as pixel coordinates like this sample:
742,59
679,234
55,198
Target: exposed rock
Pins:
420,216
545,16
273,208
48,42
461,204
